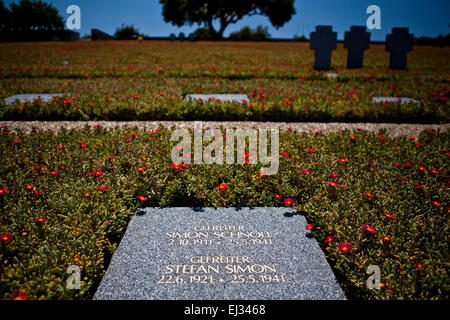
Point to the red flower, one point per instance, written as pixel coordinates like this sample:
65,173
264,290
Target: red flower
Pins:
388,215
76,259
6,237
419,186
369,228
37,167
352,138
142,198
53,173
309,226
102,188
422,169
37,193
333,184
369,195
17,142
420,266
3,191
319,133
345,160
97,172
30,186
345,247
329,239
40,220
288,201
434,171
18,296
86,195
111,157
305,171
334,175
176,166
285,153
60,146
276,195
436,203
83,145
386,239
141,169
311,149
222,186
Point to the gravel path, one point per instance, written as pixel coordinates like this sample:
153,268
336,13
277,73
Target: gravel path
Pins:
392,129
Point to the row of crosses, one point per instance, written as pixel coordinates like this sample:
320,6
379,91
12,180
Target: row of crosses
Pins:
323,41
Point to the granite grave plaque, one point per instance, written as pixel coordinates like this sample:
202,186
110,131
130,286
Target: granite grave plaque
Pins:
219,97
394,100
223,253
30,97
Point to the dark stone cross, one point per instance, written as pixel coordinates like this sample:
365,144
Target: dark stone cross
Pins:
356,41
323,41
172,37
399,43
181,36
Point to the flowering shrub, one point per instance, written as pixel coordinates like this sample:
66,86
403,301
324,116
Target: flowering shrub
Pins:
87,195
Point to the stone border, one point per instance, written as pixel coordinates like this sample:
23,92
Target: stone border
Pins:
392,129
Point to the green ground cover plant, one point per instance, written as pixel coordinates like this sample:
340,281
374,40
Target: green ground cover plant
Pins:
66,199
125,80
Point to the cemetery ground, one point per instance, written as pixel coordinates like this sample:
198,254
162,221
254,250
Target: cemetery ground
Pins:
126,81
66,197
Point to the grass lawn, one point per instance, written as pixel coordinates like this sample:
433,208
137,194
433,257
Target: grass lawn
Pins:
66,198
124,80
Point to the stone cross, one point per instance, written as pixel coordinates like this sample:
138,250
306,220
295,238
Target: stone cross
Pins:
399,43
356,41
181,36
172,37
323,41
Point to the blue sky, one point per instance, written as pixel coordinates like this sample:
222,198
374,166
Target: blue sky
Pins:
423,17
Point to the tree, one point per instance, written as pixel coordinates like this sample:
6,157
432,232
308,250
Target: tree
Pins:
35,15
225,12
126,33
246,33
202,34
5,17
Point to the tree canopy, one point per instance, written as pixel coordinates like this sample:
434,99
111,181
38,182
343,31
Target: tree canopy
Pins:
247,33
5,16
225,12
126,33
30,15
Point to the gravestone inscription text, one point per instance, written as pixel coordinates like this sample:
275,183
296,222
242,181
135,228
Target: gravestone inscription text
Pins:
223,253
